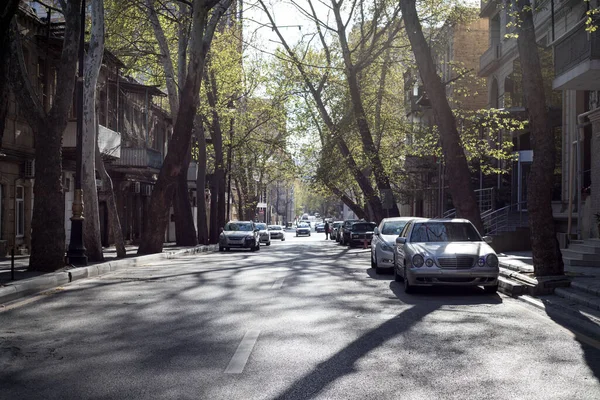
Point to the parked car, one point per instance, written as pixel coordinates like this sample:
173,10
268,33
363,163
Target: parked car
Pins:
303,228
263,233
277,232
320,227
239,234
334,229
384,240
444,252
361,233
344,231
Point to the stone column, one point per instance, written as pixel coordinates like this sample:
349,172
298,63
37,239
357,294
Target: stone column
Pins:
595,169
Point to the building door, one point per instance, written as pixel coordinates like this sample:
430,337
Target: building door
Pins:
524,168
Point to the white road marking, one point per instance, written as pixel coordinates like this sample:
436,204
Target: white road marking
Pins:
278,283
240,358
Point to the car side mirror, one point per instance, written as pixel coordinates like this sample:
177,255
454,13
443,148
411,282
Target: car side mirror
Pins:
488,239
400,240
376,231
256,230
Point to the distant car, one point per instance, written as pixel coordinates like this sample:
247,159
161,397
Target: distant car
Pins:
264,235
444,252
335,225
344,231
320,227
276,232
384,240
303,228
239,234
361,233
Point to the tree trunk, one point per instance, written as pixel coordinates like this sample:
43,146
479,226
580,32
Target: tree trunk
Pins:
113,214
371,153
240,199
162,196
360,213
547,258
47,226
457,171
200,187
7,11
93,61
185,233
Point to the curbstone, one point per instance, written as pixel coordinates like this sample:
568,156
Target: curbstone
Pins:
26,287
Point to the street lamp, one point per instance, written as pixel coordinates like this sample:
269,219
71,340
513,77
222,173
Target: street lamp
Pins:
76,253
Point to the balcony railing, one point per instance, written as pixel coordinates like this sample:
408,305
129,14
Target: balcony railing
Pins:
490,58
136,157
575,47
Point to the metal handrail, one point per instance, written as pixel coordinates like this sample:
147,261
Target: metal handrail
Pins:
485,200
498,220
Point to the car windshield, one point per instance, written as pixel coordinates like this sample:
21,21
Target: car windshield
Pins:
274,228
262,227
366,227
238,226
444,232
302,225
336,224
392,227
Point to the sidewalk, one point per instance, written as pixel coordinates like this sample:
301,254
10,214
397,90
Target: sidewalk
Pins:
575,306
27,282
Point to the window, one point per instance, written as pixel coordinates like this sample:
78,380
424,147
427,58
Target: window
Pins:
20,210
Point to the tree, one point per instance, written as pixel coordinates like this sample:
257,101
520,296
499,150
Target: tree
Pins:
457,169
547,258
89,142
205,17
48,230
7,12
376,30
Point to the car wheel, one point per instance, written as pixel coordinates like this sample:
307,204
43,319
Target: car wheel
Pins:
491,289
227,248
408,288
309,234
373,262
268,243
221,248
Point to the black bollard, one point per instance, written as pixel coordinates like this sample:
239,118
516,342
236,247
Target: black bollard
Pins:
12,264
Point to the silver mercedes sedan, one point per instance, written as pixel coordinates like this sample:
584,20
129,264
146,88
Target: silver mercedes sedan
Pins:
444,252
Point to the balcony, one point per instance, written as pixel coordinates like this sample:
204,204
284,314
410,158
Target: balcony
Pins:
139,158
577,60
488,8
109,141
489,60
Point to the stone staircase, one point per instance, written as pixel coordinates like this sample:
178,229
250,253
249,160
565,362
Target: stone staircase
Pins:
582,253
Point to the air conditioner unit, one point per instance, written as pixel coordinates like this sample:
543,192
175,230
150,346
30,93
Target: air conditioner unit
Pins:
135,187
29,169
146,190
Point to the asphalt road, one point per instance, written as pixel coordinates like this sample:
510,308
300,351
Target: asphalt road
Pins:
301,319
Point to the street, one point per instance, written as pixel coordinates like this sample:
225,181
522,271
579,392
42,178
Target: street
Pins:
301,319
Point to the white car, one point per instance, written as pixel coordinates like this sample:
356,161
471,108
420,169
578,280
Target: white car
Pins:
383,242
277,232
444,252
263,233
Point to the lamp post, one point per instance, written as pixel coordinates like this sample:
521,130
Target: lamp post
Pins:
76,253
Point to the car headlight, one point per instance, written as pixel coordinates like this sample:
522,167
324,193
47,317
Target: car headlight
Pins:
386,247
481,261
249,237
492,260
429,262
418,260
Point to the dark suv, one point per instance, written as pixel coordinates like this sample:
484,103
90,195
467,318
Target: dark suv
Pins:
343,235
361,233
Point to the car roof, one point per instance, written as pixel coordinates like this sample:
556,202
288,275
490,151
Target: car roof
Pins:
241,222
392,219
452,220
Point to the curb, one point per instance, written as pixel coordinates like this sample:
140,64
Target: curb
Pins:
27,287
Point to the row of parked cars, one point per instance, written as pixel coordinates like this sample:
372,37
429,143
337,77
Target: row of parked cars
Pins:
248,235
424,251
